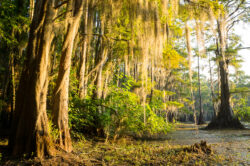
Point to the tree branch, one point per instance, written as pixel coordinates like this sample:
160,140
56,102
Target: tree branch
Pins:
232,25
231,19
61,4
237,8
240,92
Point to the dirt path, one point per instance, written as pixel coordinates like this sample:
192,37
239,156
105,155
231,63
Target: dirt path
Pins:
233,144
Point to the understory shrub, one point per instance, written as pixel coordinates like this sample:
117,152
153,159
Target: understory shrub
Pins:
120,113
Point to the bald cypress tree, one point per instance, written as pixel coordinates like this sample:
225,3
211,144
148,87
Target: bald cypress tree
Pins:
225,22
30,131
61,92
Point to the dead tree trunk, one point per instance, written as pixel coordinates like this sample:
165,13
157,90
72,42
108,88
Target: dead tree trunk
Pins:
61,92
30,123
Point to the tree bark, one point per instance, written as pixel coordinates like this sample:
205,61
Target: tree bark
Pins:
61,92
127,62
212,88
83,55
13,85
189,49
201,117
225,110
152,80
99,80
105,86
30,123
199,41
31,9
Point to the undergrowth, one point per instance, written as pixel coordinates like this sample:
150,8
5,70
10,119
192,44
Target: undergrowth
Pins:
129,152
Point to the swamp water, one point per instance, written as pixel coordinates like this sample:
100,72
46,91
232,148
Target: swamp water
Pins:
233,144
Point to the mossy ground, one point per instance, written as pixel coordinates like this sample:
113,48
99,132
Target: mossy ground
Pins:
123,152
128,151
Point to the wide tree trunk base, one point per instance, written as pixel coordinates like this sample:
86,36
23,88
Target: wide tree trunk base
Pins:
201,122
221,123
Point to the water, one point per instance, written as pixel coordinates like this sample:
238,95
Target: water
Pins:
234,144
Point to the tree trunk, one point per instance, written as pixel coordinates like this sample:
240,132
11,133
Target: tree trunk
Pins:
31,9
189,49
30,123
199,41
13,83
105,86
135,69
99,80
152,81
61,93
212,88
83,56
225,117
201,117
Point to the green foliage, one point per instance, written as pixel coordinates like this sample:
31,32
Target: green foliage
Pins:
83,115
54,132
124,112
119,113
242,110
240,96
156,124
11,22
157,102
172,59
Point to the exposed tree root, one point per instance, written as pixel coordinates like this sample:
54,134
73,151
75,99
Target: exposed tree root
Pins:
199,148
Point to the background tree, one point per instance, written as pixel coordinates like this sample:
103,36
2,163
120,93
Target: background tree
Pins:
60,105
228,17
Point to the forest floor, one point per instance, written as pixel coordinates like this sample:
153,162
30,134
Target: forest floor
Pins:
225,147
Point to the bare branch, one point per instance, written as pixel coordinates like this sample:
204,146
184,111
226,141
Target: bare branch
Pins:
243,48
61,4
240,92
240,13
237,8
229,27
97,66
